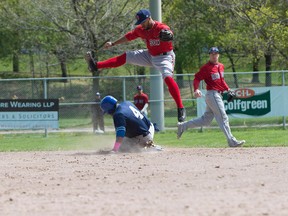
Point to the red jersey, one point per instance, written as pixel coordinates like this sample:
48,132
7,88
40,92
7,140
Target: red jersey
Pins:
151,37
140,100
213,75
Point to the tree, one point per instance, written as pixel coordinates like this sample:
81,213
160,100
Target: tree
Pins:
267,18
89,24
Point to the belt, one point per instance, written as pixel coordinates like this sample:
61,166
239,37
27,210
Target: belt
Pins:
218,91
166,53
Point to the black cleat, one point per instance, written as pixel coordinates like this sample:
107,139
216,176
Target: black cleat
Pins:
181,114
92,63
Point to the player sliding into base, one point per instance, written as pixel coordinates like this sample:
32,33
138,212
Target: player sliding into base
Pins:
159,54
213,75
134,131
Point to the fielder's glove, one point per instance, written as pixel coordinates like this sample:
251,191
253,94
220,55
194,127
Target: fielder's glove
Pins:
166,35
230,95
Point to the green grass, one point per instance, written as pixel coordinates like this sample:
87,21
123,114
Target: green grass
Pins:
210,138
214,138
54,141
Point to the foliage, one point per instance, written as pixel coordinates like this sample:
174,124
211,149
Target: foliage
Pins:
61,31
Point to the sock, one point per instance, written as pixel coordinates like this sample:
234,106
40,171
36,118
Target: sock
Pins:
174,91
112,62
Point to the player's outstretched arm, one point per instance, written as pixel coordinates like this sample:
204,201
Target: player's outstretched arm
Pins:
119,41
117,144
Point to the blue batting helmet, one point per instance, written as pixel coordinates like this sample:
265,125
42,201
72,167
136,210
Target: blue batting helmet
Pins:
108,104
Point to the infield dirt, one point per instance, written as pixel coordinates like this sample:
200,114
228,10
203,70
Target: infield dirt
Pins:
194,181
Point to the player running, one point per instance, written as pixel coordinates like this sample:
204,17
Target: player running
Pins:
159,54
213,75
134,131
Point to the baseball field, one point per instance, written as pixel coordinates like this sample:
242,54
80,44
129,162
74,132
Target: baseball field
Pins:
177,181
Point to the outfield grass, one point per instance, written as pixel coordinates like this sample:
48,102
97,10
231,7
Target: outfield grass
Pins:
54,141
214,138
210,138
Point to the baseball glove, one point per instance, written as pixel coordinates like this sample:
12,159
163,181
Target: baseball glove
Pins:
166,35
230,95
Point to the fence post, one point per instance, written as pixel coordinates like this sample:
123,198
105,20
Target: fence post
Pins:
283,84
124,88
45,97
156,82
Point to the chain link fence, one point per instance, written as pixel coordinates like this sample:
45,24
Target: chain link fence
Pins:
77,94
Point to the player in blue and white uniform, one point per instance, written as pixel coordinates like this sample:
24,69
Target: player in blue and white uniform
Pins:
134,130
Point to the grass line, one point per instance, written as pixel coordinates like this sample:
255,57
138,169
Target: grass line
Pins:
210,138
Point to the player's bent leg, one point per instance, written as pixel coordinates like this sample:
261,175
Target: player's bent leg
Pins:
165,64
113,62
174,91
139,57
216,103
204,120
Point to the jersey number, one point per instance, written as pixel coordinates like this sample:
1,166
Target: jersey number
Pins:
136,112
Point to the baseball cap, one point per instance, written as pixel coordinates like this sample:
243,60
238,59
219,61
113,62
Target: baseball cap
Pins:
142,15
213,50
97,94
139,87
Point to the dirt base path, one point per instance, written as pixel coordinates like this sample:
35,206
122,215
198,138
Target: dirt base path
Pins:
242,181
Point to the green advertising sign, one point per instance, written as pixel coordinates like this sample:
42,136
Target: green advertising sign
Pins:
257,105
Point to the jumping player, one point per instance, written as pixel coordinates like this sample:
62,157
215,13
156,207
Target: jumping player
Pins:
213,75
134,131
141,100
159,54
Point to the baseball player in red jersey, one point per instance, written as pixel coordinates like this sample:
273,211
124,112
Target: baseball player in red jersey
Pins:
213,75
159,54
141,100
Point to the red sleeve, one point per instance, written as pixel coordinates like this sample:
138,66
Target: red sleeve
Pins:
198,77
132,35
226,86
196,83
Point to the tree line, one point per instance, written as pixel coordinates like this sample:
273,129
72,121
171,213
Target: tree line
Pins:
65,29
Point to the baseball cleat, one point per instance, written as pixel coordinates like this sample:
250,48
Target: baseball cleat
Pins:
181,114
157,148
90,59
151,146
180,129
236,143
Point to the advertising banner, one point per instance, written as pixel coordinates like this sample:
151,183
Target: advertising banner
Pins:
29,114
253,102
